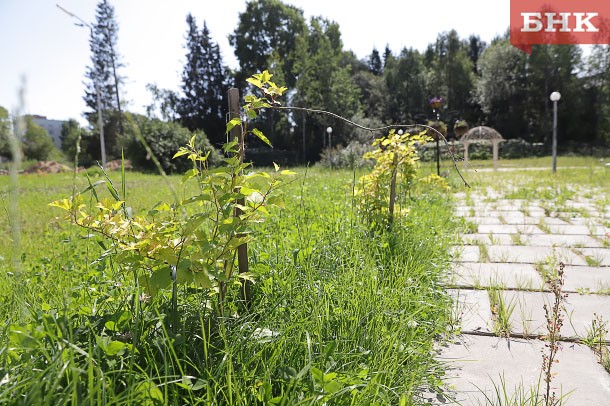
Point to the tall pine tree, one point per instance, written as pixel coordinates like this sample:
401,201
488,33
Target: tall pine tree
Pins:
102,76
375,66
204,85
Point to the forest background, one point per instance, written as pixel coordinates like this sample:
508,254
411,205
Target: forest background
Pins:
478,83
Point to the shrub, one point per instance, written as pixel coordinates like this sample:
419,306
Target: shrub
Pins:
36,143
164,139
395,160
348,157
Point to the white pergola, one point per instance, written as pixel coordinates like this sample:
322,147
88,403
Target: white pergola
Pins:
482,133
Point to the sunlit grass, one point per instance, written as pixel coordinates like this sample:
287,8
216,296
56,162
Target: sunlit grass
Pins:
340,314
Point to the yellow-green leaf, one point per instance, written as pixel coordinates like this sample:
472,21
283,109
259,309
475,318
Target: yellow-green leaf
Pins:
234,122
62,204
261,136
255,82
181,151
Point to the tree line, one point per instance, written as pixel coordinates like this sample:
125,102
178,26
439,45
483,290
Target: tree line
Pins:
478,83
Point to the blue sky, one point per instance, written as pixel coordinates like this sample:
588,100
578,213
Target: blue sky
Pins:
40,43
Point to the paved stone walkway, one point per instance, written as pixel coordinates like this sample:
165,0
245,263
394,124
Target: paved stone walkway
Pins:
511,244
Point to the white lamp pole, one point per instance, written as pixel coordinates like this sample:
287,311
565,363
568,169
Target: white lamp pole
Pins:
555,96
100,120
329,130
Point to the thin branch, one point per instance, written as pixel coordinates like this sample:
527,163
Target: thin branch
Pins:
385,128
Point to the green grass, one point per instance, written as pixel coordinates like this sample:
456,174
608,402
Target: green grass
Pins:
340,315
537,162
576,177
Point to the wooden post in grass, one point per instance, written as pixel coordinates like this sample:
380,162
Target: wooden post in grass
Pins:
242,250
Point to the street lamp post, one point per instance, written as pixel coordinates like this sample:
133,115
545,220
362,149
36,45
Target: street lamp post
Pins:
555,96
100,120
329,130
436,103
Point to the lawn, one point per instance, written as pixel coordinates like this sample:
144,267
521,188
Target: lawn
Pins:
340,314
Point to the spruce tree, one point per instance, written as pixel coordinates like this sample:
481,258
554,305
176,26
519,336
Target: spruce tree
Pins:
375,66
102,76
204,85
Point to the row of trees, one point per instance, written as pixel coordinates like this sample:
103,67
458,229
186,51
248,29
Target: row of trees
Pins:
484,84
35,142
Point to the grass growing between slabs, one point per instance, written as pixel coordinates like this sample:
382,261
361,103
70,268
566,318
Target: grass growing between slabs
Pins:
340,315
532,179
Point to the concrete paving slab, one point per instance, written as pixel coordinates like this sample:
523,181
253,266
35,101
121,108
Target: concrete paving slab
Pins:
600,231
528,316
472,309
562,240
466,253
586,278
473,239
481,207
477,365
536,213
508,229
512,202
506,276
584,205
575,229
598,256
513,217
554,220
531,254
582,221
484,220
527,220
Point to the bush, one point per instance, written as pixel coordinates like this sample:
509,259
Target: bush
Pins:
164,140
36,143
71,135
519,148
348,157
509,149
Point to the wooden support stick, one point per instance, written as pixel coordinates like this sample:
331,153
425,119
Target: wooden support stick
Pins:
242,250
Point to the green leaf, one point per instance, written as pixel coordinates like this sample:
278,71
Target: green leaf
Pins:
149,394
265,76
160,279
111,347
162,206
111,325
112,191
189,174
181,151
332,386
92,186
199,384
229,147
261,136
317,375
255,82
234,122
200,279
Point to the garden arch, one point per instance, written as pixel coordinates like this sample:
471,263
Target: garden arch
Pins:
482,133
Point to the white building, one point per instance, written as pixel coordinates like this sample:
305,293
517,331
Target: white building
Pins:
53,127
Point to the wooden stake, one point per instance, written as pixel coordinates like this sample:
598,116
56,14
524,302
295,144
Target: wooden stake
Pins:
242,250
